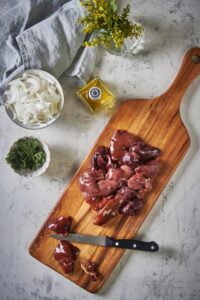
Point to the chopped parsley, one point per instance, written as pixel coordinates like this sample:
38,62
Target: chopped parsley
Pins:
26,154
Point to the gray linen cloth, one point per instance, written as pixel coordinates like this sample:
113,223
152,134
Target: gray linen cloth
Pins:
44,34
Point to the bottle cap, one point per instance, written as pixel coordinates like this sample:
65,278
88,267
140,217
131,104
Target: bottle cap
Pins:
95,93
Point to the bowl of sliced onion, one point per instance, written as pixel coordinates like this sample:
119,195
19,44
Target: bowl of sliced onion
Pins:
34,99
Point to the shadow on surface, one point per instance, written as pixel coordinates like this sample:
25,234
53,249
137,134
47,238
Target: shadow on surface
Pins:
62,164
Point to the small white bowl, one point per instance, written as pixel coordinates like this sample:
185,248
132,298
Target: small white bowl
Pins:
54,81
42,169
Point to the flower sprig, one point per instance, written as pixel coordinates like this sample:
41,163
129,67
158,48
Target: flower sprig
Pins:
109,26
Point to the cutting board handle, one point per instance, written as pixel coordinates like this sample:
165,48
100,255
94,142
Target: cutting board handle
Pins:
189,70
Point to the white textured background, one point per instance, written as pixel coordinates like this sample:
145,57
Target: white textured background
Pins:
171,28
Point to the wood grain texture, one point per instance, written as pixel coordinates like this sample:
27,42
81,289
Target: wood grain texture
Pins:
158,122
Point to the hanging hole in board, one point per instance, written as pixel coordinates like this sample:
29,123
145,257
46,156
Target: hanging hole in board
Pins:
196,59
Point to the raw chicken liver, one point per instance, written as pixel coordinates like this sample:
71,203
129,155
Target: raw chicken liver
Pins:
119,176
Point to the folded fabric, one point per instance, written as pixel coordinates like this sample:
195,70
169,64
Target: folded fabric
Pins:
44,34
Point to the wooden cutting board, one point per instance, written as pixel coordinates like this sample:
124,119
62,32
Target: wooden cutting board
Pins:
158,122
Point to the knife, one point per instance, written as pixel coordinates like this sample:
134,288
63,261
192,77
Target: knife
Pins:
108,242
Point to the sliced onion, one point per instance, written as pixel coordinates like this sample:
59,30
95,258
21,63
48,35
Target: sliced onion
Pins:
33,99
34,85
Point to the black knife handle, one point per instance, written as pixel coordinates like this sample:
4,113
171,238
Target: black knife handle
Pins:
132,244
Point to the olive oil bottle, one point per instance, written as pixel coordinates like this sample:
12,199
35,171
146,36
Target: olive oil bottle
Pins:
96,95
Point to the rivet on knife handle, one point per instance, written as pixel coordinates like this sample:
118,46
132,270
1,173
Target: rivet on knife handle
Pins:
132,244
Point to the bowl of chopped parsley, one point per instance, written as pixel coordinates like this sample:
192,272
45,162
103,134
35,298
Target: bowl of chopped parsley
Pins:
29,157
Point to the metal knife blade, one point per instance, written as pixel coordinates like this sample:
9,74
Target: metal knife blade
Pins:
108,242
80,238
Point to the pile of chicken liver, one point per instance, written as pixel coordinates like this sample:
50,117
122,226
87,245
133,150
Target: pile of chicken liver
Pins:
119,176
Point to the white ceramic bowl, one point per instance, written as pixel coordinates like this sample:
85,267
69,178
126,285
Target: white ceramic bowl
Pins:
42,169
55,82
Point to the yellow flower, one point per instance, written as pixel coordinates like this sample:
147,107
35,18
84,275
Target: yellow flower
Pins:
109,26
